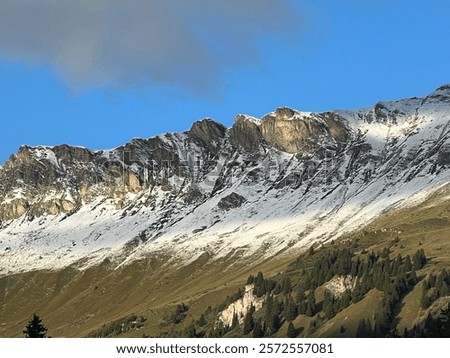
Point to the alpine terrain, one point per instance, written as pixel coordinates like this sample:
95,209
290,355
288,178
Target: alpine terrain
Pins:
294,224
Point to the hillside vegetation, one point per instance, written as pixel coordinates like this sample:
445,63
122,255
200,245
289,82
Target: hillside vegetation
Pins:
393,271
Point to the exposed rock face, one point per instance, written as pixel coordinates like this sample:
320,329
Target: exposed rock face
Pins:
339,284
14,209
68,155
294,132
231,201
208,132
241,307
289,131
245,133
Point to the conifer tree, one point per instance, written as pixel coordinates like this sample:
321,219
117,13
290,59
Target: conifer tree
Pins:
35,328
201,321
407,265
396,265
357,293
271,318
310,303
328,304
444,291
291,331
235,321
361,331
432,280
345,299
445,322
412,280
354,268
419,260
249,322
191,331
260,288
258,330
286,286
424,300
290,310
301,302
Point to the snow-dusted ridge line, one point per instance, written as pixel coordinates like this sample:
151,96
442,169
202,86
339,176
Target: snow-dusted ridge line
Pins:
397,154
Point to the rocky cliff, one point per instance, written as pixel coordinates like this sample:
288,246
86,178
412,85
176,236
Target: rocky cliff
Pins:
260,187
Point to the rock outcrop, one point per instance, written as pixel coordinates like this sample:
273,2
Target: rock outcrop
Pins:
208,133
240,307
296,132
231,201
245,133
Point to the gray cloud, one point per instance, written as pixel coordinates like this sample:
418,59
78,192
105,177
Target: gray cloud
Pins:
117,43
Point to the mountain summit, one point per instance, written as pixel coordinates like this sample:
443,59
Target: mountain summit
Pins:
264,187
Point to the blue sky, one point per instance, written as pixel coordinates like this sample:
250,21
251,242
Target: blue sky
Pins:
99,75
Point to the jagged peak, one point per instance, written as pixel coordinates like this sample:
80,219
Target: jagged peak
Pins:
444,87
281,113
442,91
440,94
286,113
207,131
246,117
207,124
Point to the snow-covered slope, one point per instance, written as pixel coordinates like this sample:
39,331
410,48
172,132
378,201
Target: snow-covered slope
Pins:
261,188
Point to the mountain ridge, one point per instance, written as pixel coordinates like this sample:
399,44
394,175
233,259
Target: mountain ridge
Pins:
285,181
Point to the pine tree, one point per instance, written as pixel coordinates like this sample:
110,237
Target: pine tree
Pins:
290,310
361,331
191,331
396,265
412,280
260,287
328,304
235,321
439,282
345,299
432,280
355,266
249,322
419,260
271,318
407,265
35,328
301,302
445,322
424,301
258,330
310,304
444,291
201,321
291,331
286,286
357,293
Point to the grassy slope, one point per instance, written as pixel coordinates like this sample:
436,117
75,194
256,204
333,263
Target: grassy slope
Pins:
74,303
